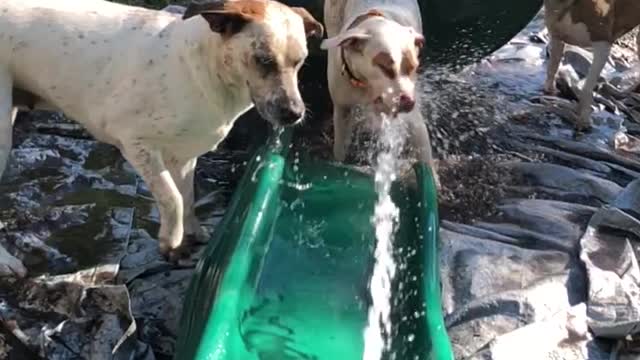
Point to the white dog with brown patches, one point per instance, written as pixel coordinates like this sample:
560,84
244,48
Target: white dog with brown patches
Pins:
373,49
587,23
161,88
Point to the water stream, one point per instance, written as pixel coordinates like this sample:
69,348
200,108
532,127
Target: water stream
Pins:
385,220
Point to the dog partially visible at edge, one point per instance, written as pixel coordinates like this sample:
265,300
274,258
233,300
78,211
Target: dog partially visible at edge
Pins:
162,88
587,23
373,48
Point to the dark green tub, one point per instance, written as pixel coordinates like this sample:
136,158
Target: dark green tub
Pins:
286,274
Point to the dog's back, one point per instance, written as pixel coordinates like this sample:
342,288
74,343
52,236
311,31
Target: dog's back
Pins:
582,23
338,12
79,37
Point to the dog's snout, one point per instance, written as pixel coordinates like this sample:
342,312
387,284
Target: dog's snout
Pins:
406,103
290,114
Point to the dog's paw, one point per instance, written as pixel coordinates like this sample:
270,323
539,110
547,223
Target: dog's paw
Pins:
181,254
582,122
582,126
200,236
550,91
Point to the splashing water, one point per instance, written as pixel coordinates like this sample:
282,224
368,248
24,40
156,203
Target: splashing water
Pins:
385,219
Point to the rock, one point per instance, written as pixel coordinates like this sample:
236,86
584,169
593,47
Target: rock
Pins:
610,249
565,336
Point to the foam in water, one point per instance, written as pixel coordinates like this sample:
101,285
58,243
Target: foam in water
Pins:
385,219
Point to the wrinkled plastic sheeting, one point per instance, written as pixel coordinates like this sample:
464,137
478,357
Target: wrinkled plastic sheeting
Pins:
79,218
554,275
70,316
66,315
610,249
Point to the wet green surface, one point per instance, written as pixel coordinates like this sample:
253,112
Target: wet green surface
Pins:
286,274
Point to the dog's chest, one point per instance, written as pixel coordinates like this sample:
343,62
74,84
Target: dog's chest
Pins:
193,134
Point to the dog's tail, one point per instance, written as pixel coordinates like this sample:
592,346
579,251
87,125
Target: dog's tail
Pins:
7,116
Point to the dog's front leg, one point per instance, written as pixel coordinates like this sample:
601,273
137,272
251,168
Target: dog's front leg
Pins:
421,143
556,51
149,163
601,52
183,171
342,131
638,44
7,116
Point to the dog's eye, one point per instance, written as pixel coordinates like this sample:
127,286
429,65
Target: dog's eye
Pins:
266,63
264,60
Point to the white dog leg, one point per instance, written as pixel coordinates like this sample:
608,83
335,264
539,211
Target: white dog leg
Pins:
638,44
342,131
421,143
601,52
183,173
7,116
556,51
9,264
150,165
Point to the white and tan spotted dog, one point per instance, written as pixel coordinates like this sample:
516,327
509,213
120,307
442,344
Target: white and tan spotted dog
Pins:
162,88
373,49
587,23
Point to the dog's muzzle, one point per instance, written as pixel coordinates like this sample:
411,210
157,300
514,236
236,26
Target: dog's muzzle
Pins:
405,103
291,113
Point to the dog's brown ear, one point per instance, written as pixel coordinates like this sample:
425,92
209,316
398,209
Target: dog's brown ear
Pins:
227,17
419,41
311,26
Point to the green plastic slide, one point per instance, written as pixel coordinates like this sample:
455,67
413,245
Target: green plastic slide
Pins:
286,274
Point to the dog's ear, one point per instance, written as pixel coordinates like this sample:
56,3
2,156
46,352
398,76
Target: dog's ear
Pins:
227,17
311,26
419,40
353,39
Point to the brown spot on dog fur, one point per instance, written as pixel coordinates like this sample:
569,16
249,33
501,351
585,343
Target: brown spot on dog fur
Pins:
250,9
228,17
409,62
386,63
602,7
590,14
606,20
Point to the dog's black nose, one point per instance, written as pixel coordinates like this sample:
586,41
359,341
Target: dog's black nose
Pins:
406,103
290,114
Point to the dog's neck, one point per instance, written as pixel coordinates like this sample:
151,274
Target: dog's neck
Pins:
348,73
